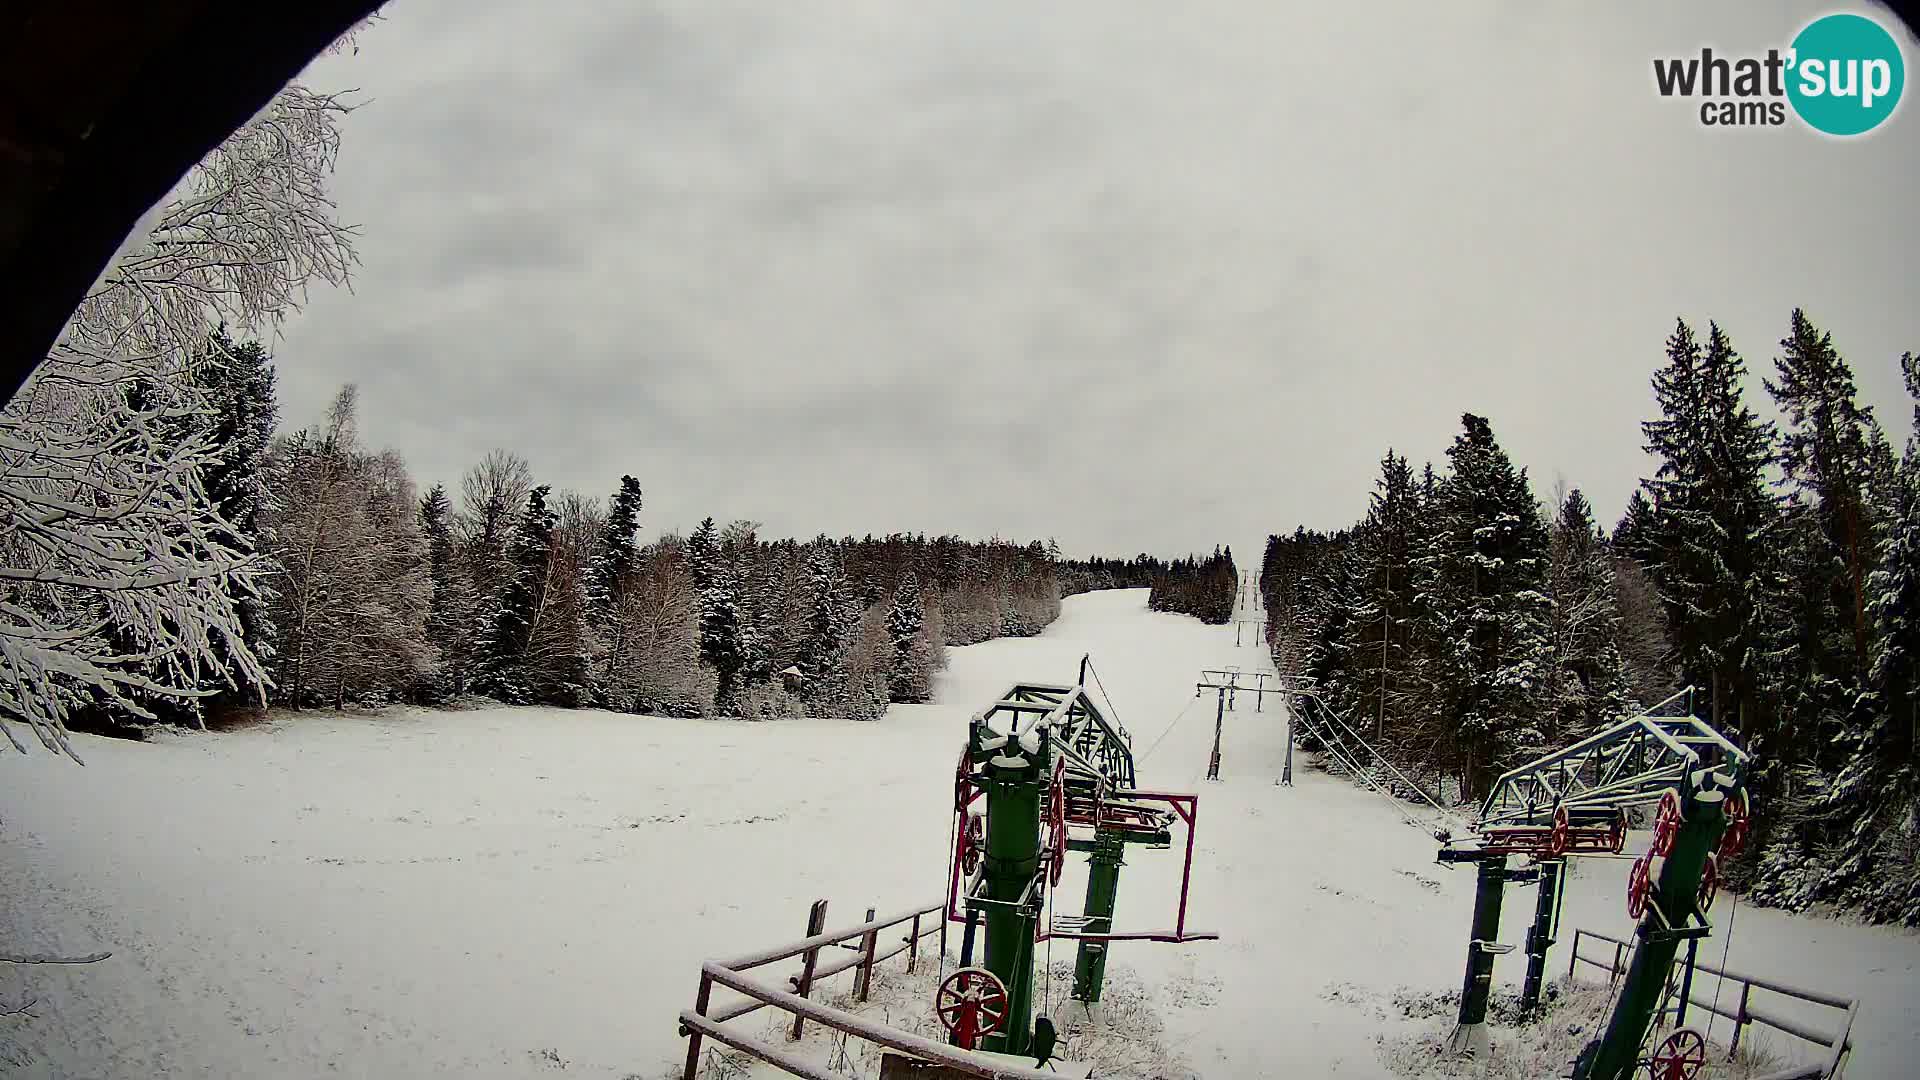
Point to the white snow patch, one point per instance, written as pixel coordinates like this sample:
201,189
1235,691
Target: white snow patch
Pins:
504,892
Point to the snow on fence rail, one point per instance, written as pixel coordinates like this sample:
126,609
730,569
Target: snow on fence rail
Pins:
1838,1044
698,1023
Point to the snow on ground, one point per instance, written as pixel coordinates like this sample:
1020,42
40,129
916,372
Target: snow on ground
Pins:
511,892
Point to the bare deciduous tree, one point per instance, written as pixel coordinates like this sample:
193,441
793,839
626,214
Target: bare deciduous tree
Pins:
119,585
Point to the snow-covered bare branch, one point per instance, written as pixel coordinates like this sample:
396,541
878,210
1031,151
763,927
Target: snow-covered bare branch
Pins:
119,579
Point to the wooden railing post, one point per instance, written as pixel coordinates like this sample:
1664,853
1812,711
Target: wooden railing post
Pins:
816,924
913,945
867,943
693,1037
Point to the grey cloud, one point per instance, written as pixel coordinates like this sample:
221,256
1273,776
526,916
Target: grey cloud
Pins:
1135,278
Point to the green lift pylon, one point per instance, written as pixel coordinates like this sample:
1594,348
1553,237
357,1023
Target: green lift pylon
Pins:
1052,763
1573,802
1108,854
1546,922
1011,896
1672,914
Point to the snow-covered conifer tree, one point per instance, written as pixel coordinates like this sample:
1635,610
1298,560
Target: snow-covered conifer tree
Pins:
722,644
912,674
823,660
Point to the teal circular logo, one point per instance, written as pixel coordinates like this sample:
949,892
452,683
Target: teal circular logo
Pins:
1846,74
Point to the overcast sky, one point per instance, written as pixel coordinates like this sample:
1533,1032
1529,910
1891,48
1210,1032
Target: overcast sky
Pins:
1134,275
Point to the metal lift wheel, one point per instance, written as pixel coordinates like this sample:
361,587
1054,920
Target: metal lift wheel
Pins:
963,783
1709,884
1735,837
1666,824
1681,1057
1057,823
1561,836
1640,885
1617,832
973,840
971,1003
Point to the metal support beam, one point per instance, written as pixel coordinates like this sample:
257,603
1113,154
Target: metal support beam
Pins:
1540,934
1469,1036
1103,886
1670,918
1219,718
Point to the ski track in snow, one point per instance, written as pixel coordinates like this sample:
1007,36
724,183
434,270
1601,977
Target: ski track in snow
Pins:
498,892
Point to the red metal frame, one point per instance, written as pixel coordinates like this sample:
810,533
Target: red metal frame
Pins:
1185,805
960,827
1560,838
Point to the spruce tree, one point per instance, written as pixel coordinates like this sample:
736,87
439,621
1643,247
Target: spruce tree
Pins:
1877,790
618,551
1825,454
911,677
239,383
450,610
504,645
1586,685
722,643
1489,574
829,629
1713,522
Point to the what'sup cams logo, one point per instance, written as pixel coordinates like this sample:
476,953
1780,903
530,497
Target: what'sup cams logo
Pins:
1842,75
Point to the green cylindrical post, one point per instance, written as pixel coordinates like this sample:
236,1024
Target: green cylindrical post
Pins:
1470,1034
1014,795
1540,935
1103,886
1670,906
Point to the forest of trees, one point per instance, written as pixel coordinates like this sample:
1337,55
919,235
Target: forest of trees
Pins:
367,591
1776,568
1203,588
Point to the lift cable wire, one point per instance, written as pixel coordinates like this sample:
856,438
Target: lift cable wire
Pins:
1337,749
1721,979
1163,734
1111,707
953,839
1382,759
1331,741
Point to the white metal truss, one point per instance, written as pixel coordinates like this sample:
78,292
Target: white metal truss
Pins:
1630,763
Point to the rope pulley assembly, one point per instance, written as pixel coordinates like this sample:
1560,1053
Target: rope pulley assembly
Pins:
1680,1057
971,1004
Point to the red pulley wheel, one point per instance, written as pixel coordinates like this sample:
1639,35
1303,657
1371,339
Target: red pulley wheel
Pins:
963,783
1735,837
1640,885
1709,885
1666,824
1561,837
1681,1057
971,1003
973,840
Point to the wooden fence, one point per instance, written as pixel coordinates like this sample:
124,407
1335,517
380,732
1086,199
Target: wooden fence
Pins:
1838,1044
864,953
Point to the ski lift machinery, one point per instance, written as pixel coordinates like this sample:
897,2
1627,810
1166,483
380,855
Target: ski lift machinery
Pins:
1045,772
1573,802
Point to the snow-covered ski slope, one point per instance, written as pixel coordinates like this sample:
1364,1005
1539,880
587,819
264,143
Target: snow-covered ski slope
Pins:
514,892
